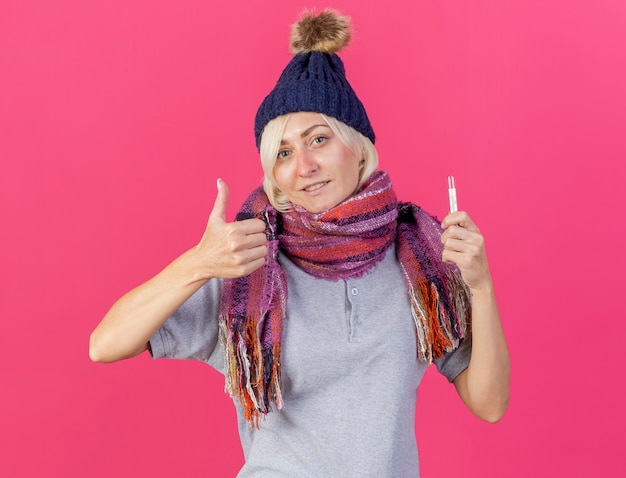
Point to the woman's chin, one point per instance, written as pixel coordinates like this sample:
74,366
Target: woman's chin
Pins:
318,206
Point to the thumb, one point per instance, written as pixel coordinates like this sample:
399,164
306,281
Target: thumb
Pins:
221,201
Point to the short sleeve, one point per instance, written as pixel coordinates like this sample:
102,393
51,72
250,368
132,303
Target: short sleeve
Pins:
454,362
191,333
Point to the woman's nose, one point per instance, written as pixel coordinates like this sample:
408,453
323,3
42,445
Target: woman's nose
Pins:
306,163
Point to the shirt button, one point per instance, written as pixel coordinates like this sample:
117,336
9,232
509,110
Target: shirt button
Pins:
355,291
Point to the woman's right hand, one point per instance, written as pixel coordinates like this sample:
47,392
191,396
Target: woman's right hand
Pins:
226,250
230,249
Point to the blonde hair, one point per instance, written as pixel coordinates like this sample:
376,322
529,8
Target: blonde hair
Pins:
272,135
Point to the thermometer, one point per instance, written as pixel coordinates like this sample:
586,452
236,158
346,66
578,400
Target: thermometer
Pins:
452,194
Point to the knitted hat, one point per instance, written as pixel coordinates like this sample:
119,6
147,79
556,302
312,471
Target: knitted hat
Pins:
315,79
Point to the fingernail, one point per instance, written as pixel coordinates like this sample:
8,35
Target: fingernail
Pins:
218,182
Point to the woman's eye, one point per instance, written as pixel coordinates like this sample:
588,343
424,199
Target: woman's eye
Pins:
319,140
282,154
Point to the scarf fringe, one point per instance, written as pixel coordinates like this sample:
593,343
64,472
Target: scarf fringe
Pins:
252,376
440,315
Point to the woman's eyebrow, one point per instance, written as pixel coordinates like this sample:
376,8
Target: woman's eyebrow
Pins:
306,132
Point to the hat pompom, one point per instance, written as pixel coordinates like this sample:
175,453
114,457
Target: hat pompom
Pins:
327,32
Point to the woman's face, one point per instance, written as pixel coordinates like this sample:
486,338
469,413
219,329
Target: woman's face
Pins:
314,169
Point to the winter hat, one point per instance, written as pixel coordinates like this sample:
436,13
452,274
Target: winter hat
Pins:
315,78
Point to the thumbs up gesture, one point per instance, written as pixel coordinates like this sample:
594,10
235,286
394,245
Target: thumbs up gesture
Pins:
231,249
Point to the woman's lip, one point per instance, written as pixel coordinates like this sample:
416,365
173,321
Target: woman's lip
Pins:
318,186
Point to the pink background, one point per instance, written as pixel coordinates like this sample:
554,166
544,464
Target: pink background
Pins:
117,117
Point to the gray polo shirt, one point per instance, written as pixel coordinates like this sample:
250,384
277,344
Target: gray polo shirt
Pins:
349,373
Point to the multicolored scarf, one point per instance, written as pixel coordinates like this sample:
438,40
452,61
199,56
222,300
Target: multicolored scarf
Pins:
343,242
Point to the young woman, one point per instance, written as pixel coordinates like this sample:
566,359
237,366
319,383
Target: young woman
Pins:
326,300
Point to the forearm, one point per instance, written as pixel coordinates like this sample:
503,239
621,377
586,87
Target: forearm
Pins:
130,323
485,384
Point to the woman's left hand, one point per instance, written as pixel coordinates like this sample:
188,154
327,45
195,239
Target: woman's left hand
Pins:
464,245
484,385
